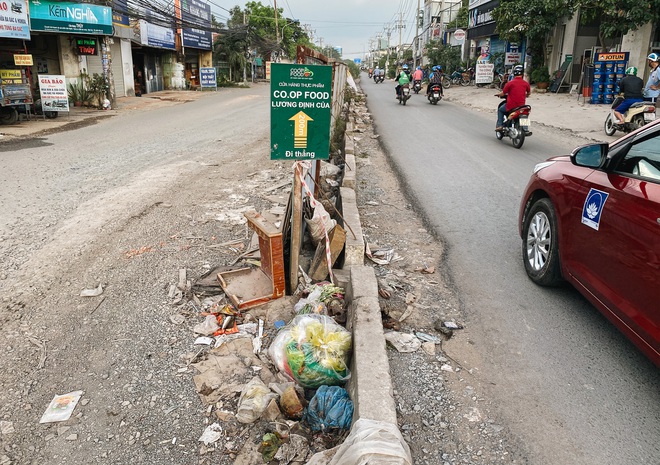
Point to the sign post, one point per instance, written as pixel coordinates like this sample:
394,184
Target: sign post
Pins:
207,78
53,92
300,101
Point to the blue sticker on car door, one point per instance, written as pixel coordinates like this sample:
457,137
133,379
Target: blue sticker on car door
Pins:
593,207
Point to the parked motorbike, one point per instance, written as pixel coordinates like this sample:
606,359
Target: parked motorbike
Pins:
378,79
404,94
461,77
36,109
417,86
638,115
516,125
434,95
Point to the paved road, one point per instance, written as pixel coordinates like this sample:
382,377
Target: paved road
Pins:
567,383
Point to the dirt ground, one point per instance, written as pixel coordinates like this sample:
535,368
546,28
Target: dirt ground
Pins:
130,349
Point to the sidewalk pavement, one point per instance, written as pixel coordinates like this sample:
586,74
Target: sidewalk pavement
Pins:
39,125
566,111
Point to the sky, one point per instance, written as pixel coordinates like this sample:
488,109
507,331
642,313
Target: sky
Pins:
349,24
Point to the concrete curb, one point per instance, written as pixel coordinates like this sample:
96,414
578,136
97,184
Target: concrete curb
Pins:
370,385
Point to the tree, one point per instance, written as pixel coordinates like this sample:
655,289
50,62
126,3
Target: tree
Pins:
533,19
231,45
447,56
618,17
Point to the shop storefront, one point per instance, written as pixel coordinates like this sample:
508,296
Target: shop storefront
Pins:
154,53
195,39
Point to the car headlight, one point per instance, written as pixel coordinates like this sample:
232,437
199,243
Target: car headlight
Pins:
540,166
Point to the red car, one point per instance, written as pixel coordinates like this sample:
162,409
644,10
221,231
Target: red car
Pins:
593,219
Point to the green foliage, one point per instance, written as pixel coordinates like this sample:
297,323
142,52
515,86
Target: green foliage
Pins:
353,68
618,17
534,19
97,87
252,29
540,74
446,56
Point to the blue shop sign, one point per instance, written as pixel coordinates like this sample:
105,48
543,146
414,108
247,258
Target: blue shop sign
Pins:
196,16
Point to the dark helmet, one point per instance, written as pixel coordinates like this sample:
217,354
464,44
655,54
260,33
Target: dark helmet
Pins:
518,70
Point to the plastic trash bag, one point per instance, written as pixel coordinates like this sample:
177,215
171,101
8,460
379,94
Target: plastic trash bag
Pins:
312,350
369,442
319,224
331,407
253,401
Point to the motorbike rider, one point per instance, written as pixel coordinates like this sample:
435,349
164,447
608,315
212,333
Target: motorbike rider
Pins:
516,91
652,88
631,88
402,78
378,72
435,78
418,75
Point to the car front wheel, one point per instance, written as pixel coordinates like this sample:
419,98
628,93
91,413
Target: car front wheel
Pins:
540,245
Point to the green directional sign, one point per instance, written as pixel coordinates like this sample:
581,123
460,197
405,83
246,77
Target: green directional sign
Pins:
300,97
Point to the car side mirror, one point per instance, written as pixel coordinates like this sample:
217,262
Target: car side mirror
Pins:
590,156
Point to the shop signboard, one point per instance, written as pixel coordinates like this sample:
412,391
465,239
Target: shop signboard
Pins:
23,59
120,13
14,19
207,77
86,45
484,73
459,35
67,17
156,36
300,101
52,89
11,76
196,12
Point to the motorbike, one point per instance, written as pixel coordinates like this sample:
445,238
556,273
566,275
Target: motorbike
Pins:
434,95
379,78
460,77
404,94
370,74
516,125
638,115
37,109
417,86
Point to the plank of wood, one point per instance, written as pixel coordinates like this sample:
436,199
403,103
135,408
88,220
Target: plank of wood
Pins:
318,269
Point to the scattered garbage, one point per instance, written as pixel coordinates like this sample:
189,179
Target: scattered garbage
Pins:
321,298
270,444
6,427
253,401
403,342
61,407
290,403
312,350
208,326
320,223
370,441
297,449
211,434
92,292
427,337
331,407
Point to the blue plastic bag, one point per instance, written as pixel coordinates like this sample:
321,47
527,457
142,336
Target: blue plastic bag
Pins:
331,407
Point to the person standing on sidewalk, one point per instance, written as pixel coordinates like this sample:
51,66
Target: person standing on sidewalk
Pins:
652,88
631,88
516,91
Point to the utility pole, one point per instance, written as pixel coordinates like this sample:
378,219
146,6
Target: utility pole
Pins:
277,34
416,39
400,26
387,60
